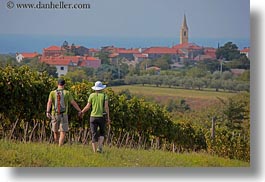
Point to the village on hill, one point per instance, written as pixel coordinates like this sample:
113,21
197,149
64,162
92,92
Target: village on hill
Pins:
65,56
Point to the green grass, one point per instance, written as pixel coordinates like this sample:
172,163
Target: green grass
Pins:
14,154
173,92
196,99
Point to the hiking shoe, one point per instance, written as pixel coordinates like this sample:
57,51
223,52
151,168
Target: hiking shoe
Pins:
99,150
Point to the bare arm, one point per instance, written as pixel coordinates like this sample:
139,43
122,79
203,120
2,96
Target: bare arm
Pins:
107,110
49,105
76,106
86,108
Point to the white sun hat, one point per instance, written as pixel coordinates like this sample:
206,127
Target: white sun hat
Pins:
98,86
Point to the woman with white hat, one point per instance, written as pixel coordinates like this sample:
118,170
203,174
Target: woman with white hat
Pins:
98,101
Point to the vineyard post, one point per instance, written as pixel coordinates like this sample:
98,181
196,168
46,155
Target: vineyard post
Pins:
213,127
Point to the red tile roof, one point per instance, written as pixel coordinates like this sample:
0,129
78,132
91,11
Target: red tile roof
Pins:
127,51
187,46
89,58
211,52
93,50
90,62
53,48
29,55
61,60
160,50
56,61
113,55
245,50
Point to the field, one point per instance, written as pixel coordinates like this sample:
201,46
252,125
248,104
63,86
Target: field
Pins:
14,154
196,99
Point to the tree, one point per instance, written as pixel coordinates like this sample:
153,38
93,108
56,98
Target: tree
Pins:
77,75
8,60
228,52
134,70
161,63
146,63
236,109
106,72
209,65
245,76
216,75
73,49
65,45
89,71
41,67
196,72
198,83
177,105
217,84
226,75
104,57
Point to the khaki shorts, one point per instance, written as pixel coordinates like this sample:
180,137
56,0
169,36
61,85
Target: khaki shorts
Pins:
60,123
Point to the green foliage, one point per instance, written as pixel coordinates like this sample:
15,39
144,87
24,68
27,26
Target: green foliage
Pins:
232,129
209,65
163,62
193,80
228,52
177,106
136,123
245,76
234,144
103,56
6,60
36,65
106,72
77,75
241,63
23,92
196,72
237,109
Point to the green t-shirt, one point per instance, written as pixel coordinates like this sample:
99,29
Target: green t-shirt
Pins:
67,99
96,100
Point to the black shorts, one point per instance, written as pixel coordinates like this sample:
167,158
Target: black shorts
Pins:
97,126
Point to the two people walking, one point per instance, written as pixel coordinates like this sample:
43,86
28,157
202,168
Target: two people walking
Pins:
58,106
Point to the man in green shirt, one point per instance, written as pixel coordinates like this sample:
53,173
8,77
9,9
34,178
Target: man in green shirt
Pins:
59,100
98,101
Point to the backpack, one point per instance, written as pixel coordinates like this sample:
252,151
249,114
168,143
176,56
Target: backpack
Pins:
59,102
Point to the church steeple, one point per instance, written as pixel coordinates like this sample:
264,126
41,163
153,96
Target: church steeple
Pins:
184,31
184,23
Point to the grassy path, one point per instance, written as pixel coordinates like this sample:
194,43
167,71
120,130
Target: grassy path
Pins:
50,155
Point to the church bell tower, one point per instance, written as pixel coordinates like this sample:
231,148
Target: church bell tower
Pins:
184,31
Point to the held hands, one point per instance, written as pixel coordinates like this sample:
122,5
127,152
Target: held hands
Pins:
108,121
48,115
80,114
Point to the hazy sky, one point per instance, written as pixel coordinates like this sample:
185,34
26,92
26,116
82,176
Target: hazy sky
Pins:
131,18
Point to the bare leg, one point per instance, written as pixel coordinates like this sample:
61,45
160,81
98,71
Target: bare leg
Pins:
56,137
61,139
94,146
100,142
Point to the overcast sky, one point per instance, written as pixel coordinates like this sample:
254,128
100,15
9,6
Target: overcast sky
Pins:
131,18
